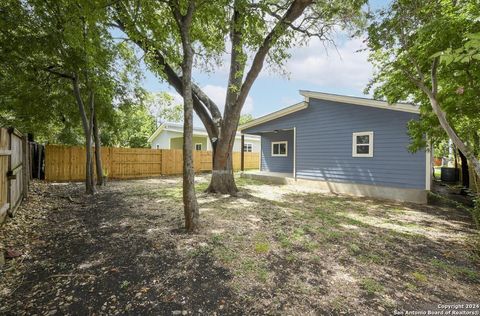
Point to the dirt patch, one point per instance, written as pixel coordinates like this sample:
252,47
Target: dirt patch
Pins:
270,250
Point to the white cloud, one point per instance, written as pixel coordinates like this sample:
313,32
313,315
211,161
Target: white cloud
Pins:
218,94
345,69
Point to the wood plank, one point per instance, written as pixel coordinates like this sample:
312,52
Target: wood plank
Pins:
3,212
63,163
14,131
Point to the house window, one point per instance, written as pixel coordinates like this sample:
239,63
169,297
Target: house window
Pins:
279,149
247,147
198,146
362,144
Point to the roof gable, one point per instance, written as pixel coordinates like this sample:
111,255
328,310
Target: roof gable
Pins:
403,107
274,115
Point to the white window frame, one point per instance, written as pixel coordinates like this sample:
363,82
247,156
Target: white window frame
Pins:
286,149
200,146
370,144
248,144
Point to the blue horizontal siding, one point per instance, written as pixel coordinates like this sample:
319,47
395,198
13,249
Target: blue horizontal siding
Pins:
277,164
324,145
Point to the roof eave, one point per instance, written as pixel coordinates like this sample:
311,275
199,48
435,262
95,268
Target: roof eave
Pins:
275,115
403,107
156,133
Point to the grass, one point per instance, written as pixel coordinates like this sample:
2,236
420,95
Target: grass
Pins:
371,286
310,247
354,249
455,270
419,277
372,258
284,240
125,284
261,247
225,255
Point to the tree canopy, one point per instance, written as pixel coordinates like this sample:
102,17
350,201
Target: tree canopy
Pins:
407,40
254,34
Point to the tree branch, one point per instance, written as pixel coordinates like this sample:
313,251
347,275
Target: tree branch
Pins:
237,57
293,12
51,70
434,76
201,102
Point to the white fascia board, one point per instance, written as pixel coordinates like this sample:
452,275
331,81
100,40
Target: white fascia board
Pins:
403,107
275,115
248,137
197,132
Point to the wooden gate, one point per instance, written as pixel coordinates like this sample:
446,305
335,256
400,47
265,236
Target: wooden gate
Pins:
14,171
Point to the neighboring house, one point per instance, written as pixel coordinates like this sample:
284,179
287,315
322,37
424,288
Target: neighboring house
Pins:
170,136
347,144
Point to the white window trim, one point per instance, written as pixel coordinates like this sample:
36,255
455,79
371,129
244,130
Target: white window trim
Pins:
200,146
286,149
370,144
251,147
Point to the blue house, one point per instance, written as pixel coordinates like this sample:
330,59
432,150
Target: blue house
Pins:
345,145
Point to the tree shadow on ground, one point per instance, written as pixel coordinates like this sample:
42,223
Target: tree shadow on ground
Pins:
266,251
330,250
97,257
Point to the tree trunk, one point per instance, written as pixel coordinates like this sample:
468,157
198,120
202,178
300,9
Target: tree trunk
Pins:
190,205
98,153
89,184
465,173
90,133
451,133
222,141
223,180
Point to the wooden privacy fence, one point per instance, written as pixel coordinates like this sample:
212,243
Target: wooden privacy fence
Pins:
14,170
63,163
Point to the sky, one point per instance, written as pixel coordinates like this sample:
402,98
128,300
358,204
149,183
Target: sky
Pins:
344,70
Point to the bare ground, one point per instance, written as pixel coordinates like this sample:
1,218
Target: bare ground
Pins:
271,250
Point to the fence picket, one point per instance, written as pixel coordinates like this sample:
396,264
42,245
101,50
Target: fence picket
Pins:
64,163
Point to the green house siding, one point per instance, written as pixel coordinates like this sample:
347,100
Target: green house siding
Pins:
177,143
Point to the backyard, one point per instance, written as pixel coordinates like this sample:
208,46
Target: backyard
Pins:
270,250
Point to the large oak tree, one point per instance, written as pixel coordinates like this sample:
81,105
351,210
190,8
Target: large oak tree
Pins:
257,32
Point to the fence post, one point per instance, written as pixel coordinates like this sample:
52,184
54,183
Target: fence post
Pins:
25,165
161,162
242,154
110,162
70,168
9,167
